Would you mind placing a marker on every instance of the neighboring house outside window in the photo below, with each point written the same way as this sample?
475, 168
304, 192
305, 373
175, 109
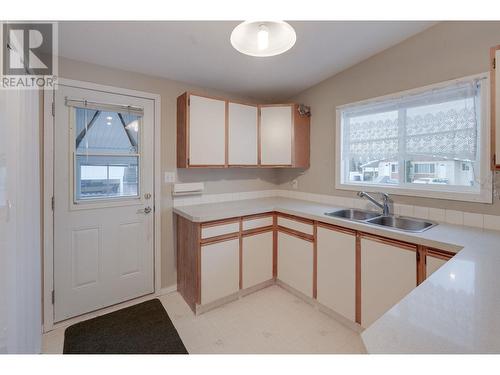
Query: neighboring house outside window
432, 141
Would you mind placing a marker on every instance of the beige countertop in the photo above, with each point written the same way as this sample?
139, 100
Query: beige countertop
454, 311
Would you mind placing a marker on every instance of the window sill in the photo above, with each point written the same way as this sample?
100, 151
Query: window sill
485, 196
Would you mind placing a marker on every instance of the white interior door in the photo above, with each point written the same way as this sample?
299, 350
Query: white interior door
103, 195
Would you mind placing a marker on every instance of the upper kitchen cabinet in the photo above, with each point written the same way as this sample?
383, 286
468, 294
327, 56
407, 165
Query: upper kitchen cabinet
495, 106
214, 133
243, 134
284, 136
201, 131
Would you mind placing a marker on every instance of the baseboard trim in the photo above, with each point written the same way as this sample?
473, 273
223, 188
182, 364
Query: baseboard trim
167, 290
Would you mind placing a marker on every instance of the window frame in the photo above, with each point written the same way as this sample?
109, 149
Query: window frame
458, 193
109, 201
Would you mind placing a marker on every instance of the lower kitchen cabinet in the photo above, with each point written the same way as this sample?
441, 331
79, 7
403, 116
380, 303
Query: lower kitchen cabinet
220, 269
295, 262
336, 270
388, 273
257, 258
435, 259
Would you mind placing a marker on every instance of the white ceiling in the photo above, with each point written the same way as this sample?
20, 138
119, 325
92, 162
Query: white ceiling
200, 53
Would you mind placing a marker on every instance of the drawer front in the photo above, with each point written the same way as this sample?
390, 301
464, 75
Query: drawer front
220, 270
219, 230
296, 225
259, 222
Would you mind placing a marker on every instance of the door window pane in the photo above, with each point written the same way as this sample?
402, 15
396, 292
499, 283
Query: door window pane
106, 177
106, 132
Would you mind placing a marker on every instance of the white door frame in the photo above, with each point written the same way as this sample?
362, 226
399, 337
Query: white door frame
48, 189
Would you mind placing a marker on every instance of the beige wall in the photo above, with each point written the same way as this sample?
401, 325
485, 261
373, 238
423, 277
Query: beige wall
216, 181
445, 51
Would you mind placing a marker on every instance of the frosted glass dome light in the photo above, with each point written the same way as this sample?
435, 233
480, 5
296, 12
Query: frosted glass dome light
263, 38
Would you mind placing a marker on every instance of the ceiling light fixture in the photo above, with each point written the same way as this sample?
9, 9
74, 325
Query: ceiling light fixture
263, 38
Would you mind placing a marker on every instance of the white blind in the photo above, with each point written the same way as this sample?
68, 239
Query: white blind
441, 122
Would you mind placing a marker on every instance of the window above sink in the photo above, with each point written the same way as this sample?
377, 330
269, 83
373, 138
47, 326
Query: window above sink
430, 142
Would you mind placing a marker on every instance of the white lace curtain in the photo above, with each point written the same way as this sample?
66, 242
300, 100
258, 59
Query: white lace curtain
438, 123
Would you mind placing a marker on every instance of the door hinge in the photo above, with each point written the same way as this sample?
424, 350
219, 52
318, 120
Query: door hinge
53, 297
52, 203
494, 62
53, 109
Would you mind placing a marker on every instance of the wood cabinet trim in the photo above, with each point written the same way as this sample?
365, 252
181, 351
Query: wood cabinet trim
292, 232
389, 241
421, 269
441, 254
214, 223
255, 231
295, 218
221, 238
336, 228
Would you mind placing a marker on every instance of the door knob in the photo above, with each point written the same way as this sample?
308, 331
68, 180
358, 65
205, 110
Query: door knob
145, 210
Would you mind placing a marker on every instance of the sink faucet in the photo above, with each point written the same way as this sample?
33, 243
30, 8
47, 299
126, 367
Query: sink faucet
384, 206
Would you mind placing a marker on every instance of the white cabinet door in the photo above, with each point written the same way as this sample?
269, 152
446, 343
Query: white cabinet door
337, 271
295, 263
257, 262
433, 264
220, 270
242, 134
207, 131
276, 135
388, 273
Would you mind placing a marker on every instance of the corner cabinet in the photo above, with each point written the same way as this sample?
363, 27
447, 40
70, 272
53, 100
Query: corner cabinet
495, 106
219, 133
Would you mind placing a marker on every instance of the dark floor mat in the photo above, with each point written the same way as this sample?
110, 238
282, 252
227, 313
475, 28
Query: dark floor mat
140, 329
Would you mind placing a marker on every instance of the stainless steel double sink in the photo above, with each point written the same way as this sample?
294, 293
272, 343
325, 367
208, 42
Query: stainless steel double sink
405, 224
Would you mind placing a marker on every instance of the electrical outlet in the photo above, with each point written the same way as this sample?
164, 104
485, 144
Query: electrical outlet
170, 177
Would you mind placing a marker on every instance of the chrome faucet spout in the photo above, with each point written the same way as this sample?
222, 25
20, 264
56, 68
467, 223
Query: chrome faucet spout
384, 206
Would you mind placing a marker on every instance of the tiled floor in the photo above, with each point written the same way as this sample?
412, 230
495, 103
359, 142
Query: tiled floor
269, 321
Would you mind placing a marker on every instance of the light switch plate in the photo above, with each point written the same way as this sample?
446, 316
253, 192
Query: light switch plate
170, 177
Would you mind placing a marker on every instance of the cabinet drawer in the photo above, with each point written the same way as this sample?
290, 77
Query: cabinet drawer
299, 226
213, 229
257, 222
